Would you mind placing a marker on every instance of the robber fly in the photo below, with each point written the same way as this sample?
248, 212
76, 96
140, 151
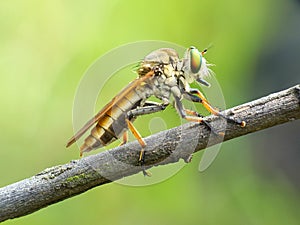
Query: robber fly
161, 74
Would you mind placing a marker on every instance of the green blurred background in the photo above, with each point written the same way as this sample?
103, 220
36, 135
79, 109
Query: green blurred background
45, 48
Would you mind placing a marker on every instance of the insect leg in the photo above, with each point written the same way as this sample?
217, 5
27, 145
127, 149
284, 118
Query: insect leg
151, 103
194, 113
148, 108
125, 138
137, 135
183, 112
199, 97
195, 116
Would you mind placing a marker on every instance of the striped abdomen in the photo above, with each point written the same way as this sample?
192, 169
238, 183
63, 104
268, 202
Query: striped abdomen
111, 125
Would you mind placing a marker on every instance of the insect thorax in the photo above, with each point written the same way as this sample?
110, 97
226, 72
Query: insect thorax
157, 60
165, 79
171, 74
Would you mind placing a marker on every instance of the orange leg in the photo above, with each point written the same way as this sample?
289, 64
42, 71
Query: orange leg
193, 118
182, 112
195, 114
125, 138
205, 103
139, 138
211, 109
135, 133
191, 112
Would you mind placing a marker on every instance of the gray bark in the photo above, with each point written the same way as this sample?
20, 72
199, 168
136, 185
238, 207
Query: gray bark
64, 181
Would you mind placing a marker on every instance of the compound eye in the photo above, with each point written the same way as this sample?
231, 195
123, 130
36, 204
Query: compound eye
195, 60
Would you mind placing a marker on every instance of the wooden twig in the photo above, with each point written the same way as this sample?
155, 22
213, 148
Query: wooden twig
64, 181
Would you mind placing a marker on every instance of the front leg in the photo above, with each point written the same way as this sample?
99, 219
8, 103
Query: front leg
183, 112
194, 116
199, 97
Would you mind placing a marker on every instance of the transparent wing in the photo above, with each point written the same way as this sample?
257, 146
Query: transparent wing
107, 107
